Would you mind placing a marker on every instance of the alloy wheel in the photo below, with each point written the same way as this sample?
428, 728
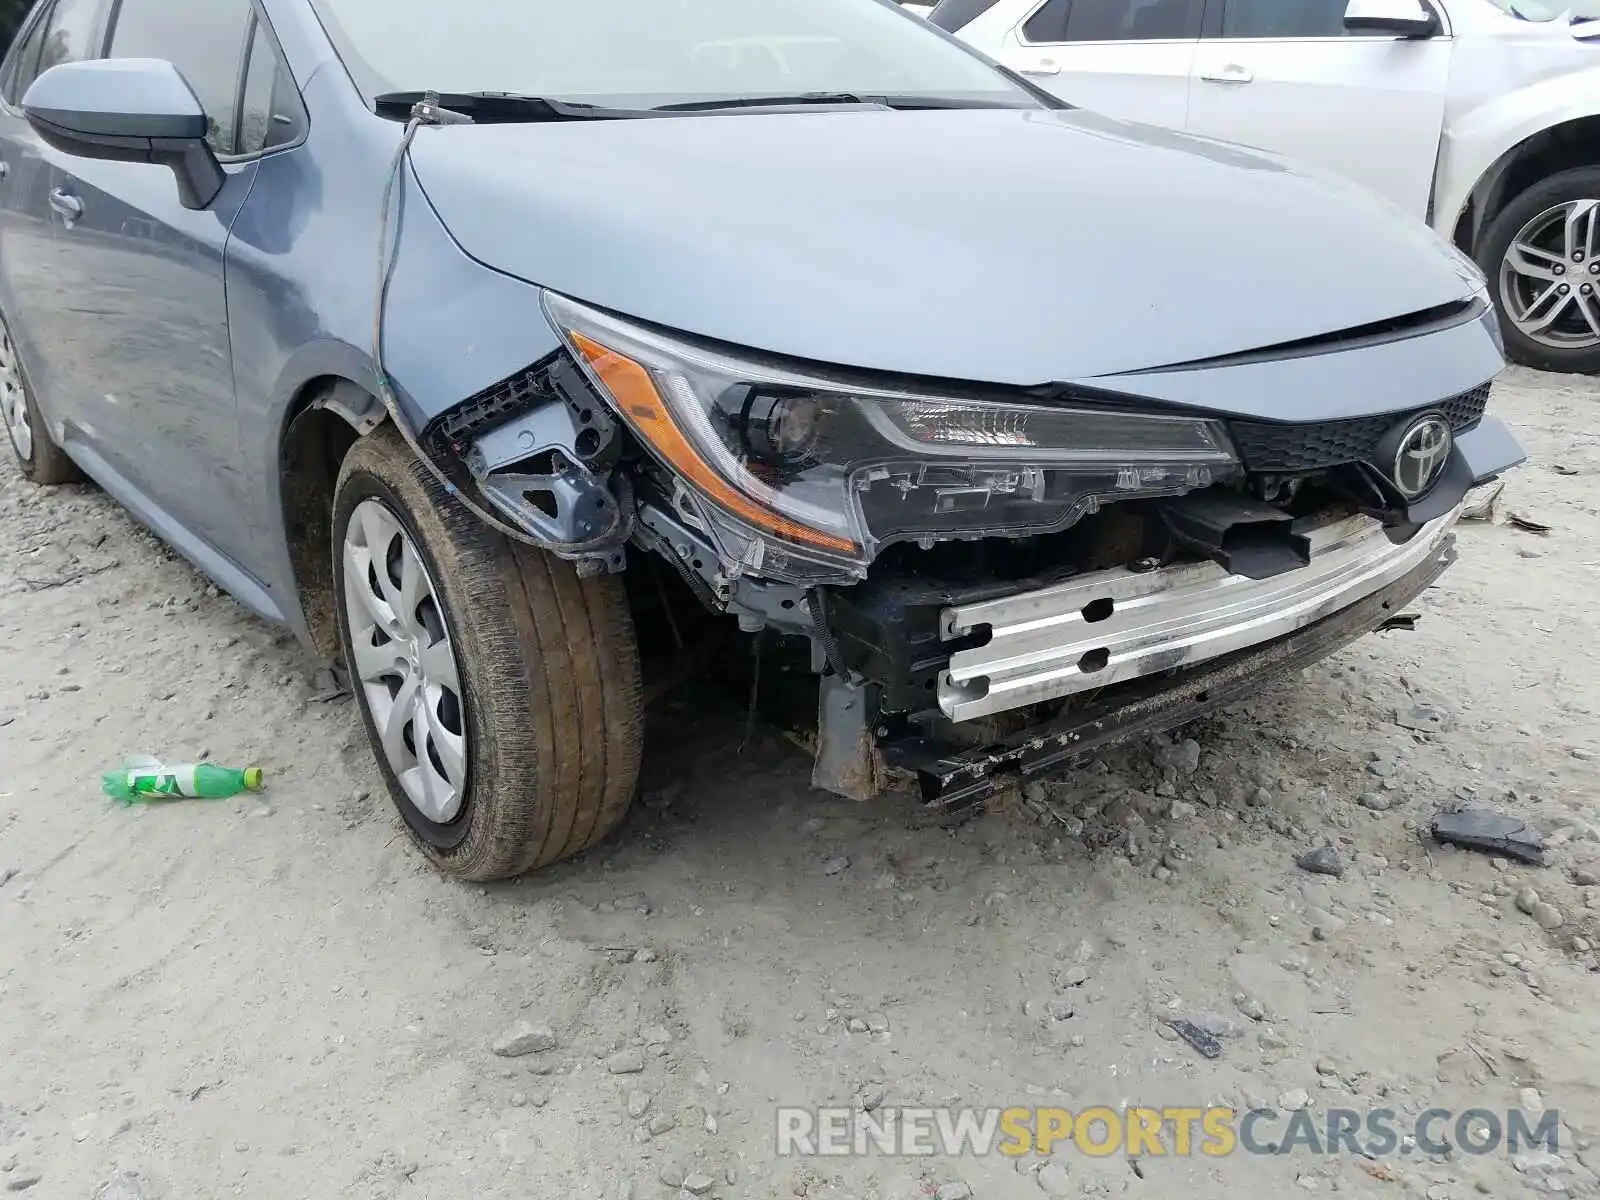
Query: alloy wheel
404, 662
14, 400
1550, 277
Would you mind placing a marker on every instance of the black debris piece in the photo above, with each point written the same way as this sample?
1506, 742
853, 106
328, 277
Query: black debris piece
1405, 621
1491, 832
1202, 1041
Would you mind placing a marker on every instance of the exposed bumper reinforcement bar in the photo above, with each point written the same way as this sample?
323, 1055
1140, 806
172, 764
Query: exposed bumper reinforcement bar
955, 780
1097, 630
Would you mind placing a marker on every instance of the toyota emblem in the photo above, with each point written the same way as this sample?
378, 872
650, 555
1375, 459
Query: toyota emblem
1420, 459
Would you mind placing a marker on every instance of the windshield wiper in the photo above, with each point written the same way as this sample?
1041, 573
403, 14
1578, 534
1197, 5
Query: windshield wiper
804, 99
489, 108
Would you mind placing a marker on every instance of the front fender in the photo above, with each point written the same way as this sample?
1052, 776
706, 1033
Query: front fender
1479, 142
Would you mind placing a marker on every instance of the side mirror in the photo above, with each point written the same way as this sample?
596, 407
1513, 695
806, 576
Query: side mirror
1397, 18
127, 110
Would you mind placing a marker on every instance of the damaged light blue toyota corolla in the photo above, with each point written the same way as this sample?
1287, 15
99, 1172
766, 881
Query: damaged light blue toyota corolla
466, 342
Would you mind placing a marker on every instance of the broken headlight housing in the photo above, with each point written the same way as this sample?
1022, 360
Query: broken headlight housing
804, 475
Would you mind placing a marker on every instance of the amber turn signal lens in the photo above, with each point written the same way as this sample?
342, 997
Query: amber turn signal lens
635, 393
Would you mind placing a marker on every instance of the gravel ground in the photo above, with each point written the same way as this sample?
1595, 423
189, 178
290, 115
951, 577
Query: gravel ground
274, 997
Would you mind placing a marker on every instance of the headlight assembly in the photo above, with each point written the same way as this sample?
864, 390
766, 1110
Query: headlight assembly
822, 472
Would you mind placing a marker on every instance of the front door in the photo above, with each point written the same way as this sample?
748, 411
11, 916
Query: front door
32, 304
1125, 58
149, 358
1283, 75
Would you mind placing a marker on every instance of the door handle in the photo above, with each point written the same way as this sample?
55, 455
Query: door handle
1043, 66
70, 207
1232, 73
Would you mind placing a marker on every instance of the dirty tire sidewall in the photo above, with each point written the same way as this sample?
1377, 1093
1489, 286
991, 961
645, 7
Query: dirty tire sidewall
1578, 184
447, 837
549, 678
49, 464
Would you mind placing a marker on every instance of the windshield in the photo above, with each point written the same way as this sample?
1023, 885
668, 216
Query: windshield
644, 53
1550, 10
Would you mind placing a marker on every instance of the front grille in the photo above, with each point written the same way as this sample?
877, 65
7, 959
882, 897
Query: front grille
1295, 449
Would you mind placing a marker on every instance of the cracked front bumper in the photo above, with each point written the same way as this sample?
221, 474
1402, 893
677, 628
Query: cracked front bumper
1113, 626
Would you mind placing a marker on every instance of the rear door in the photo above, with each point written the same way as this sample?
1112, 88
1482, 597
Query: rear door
1127, 58
150, 365
31, 299
1285, 76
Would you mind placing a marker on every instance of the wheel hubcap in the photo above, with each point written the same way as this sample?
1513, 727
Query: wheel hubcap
404, 661
1543, 280
13, 400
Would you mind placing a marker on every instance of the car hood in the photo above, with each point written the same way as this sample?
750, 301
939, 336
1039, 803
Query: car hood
998, 245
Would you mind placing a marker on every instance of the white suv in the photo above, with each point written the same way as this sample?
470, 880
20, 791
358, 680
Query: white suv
1480, 116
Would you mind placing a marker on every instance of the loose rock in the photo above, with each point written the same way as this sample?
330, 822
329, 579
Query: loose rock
1525, 900
524, 1038
1054, 1179
835, 866
1376, 801
1324, 860
1250, 1006
954, 1190
698, 1183
123, 1187
1548, 916
638, 1104
1424, 718
1294, 1100
1535, 1162
21, 1181
625, 1062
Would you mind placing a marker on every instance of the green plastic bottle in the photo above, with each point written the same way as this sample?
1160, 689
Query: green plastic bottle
142, 782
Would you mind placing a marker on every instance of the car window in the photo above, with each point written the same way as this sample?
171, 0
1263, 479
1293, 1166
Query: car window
270, 111
70, 36
22, 64
1283, 18
631, 53
204, 39
1113, 21
955, 15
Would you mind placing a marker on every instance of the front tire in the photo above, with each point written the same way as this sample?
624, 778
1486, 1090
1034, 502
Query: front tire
41, 459
1544, 240
500, 691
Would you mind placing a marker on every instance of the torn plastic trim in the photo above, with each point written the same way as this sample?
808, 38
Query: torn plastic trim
757, 603
356, 406
542, 450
